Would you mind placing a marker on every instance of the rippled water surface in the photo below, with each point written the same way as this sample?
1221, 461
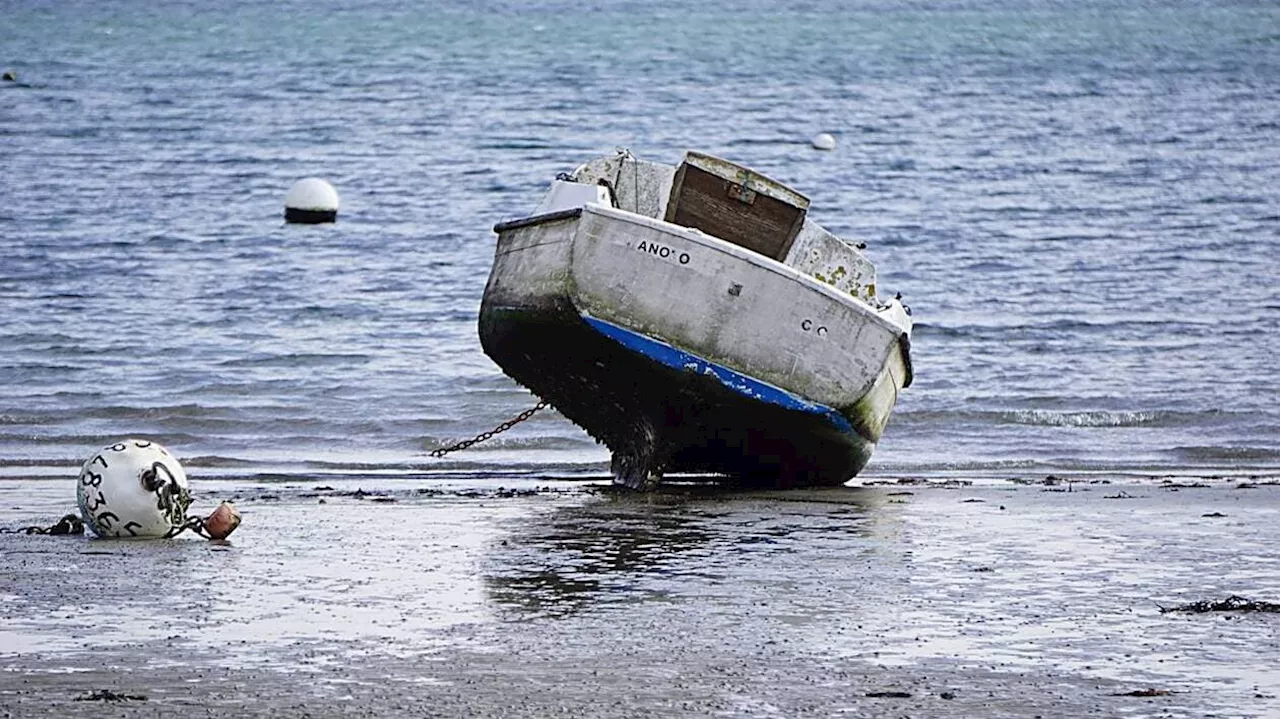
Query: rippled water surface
1081, 204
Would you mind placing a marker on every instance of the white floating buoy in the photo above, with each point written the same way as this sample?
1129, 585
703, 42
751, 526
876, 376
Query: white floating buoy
823, 141
311, 201
133, 488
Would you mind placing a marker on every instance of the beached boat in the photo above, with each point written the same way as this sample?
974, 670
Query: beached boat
694, 320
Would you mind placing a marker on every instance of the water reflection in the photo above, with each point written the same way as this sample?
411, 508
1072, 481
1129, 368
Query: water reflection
623, 548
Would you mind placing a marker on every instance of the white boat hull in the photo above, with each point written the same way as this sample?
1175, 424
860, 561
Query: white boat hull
690, 353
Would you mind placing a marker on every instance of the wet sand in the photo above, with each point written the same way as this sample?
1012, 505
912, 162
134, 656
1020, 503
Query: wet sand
430, 598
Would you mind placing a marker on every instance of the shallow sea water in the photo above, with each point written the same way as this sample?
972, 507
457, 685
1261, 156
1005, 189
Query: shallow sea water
1080, 204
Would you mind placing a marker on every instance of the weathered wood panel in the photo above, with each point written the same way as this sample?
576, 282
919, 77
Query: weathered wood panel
736, 205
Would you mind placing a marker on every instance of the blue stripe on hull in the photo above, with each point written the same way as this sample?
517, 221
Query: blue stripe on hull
665, 354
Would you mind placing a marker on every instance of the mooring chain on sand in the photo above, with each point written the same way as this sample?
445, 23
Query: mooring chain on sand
72, 525
69, 524
194, 523
216, 526
496, 430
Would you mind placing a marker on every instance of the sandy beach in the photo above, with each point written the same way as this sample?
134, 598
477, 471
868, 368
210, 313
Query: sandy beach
368, 597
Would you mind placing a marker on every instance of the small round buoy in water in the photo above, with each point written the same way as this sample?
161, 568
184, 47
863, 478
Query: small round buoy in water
823, 141
133, 488
311, 201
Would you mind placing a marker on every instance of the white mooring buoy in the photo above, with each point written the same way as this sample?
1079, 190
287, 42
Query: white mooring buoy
311, 201
823, 141
133, 488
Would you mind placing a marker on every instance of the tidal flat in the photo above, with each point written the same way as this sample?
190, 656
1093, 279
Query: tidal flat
368, 596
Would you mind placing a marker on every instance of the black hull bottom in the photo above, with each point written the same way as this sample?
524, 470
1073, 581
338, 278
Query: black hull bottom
656, 418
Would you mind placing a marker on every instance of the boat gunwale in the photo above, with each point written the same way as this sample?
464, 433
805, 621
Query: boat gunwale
765, 263
711, 242
540, 219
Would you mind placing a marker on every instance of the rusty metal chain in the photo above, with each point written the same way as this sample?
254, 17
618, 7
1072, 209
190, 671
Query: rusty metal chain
496, 430
69, 524
194, 523
72, 525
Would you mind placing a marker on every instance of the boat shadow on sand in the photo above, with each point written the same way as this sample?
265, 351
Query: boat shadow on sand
621, 549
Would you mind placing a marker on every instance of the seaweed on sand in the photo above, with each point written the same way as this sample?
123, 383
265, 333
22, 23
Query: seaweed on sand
106, 695
1233, 603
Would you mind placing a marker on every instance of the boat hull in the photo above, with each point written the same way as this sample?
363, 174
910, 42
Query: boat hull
658, 419
560, 317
